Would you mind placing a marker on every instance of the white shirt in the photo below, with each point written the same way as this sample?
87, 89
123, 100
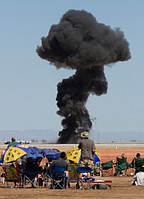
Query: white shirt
139, 178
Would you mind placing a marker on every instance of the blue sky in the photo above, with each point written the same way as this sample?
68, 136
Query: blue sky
28, 84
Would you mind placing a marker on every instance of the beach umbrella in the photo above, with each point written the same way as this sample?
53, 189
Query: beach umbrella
13, 153
2, 156
34, 153
96, 157
74, 154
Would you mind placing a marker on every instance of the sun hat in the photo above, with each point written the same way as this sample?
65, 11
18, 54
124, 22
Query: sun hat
84, 134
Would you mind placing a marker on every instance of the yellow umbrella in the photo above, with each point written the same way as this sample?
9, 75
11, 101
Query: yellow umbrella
98, 154
12, 154
74, 154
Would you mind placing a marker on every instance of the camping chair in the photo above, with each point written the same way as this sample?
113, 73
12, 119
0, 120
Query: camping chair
107, 167
121, 165
137, 164
31, 174
72, 173
56, 178
30, 178
11, 174
94, 183
81, 182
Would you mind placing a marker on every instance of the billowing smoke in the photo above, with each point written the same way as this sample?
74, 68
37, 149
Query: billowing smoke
79, 42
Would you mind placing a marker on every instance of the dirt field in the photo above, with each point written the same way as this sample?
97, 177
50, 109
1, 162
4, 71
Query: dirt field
121, 186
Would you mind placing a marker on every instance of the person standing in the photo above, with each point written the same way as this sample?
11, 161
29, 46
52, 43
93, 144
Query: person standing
88, 149
13, 142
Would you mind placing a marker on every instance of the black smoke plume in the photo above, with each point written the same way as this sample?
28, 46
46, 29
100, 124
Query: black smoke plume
79, 42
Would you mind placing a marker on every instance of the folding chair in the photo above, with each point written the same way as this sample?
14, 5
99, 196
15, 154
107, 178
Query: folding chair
57, 178
72, 173
137, 164
92, 182
121, 165
107, 167
11, 174
84, 182
31, 174
30, 179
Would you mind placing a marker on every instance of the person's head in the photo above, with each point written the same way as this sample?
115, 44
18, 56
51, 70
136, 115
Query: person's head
13, 139
123, 155
85, 135
63, 155
38, 160
138, 155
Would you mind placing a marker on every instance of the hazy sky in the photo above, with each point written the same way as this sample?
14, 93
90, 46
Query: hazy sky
28, 84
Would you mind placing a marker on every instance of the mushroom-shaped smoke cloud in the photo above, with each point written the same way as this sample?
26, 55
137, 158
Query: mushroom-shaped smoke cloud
79, 42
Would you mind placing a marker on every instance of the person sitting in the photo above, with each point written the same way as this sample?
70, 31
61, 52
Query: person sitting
139, 177
31, 170
121, 164
137, 162
60, 163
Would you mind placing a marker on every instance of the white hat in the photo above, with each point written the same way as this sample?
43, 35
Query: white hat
84, 134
